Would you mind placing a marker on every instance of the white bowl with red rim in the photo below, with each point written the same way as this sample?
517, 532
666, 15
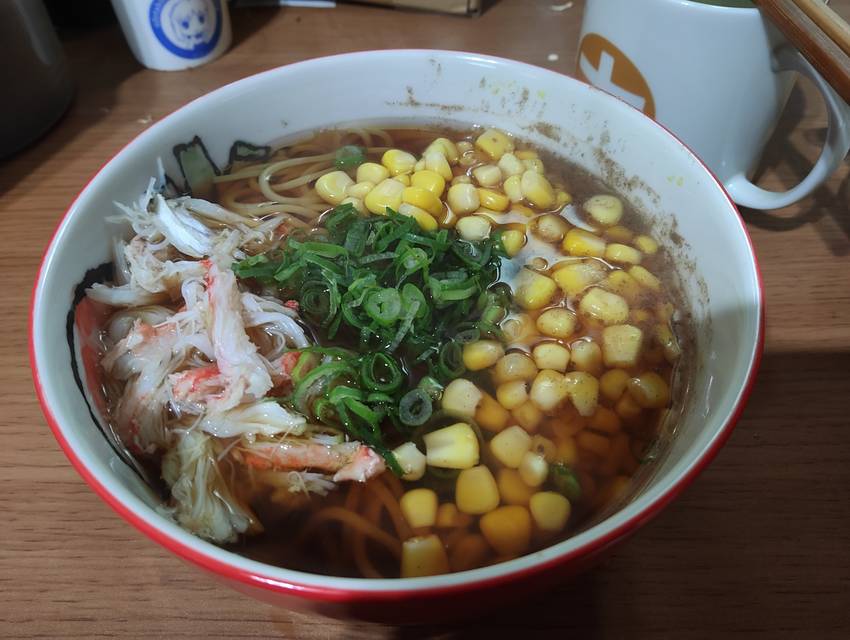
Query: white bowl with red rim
692, 216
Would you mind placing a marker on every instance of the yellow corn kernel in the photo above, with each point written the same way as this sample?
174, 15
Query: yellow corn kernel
482, 354
403, 178
618, 456
513, 188
548, 390
528, 416
513, 241
604, 306
470, 552
511, 487
621, 283
508, 530
638, 316
669, 345
419, 507
551, 355
593, 442
512, 394
606, 210
579, 242
493, 200
359, 189
398, 162
550, 511
445, 146
494, 143
650, 390
476, 491
619, 233
557, 323
621, 345
519, 328
605, 420
510, 165
627, 408
423, 556
490, 415
533, 469
464, 146
544, 448
586, 356
436, 162
535, 165
522, 210
664, 311
357, 203
463, 199
424, 199
526, 154
462, 179
537, 190
510, 445
514, 366
420, 165
332, 186
533, 290
562, 198
372, 172
473, 227
645, 278
452, 447
487, 175
469, 159
575, 277
583, 391
386, 193
566, 452
646, 244
428, 180
461, 398
448, 516
426, 221
623, 253
613, 383
411, 460
550, 227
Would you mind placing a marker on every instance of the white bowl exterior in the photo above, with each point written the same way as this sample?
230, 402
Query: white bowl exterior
590, 128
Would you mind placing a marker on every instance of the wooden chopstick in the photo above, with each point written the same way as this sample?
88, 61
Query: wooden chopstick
830, 22
815, 45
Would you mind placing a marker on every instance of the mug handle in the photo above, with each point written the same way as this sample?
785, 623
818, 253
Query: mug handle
835, 148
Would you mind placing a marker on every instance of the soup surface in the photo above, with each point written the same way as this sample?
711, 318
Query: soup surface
387, 353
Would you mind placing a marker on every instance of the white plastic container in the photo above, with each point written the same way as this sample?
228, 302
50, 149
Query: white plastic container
169, 35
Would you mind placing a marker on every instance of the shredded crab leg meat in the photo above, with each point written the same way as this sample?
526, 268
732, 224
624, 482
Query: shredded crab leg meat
195, 384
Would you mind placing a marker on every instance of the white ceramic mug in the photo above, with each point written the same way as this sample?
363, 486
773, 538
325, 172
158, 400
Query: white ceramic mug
717, 74
169, 35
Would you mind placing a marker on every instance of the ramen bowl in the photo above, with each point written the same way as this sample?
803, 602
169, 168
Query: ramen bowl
689, 212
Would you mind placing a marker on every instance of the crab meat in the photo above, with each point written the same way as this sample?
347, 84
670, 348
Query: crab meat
348, 460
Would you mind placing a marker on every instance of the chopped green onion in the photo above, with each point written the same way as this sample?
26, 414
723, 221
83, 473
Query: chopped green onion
415, 408
383, 306
349, 157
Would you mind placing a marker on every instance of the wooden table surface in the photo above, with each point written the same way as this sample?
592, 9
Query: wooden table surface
759, 545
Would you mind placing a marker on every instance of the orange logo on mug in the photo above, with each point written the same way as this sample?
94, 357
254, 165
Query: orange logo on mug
603, 65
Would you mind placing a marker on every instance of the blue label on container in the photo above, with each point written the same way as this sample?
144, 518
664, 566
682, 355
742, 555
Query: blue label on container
187, 28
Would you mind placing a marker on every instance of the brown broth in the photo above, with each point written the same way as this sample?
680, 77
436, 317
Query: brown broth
604, 451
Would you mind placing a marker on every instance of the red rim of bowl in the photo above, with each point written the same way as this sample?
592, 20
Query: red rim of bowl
336, 594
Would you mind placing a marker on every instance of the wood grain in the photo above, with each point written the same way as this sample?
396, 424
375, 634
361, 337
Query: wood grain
759, 546
825, 55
